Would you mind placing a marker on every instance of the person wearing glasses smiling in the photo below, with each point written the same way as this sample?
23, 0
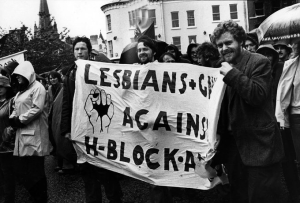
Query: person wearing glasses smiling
192, 53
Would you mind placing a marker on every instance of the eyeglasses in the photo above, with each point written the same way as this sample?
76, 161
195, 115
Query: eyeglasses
52, 78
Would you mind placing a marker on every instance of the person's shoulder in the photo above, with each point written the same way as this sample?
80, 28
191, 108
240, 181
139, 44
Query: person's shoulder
258, 58
183, 60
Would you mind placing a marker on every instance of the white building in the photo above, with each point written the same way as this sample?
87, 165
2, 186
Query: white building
178, 22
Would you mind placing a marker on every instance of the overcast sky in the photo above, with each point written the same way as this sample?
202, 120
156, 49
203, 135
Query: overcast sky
82, 17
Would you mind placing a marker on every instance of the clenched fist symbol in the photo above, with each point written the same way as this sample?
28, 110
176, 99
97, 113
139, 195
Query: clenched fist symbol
101, 108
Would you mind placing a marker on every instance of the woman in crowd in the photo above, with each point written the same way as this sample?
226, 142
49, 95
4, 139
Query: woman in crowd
7, 138
167, 58
32, 140
62, 146
191, 53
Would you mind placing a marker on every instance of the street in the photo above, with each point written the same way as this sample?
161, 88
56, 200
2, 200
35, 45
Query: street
70, 189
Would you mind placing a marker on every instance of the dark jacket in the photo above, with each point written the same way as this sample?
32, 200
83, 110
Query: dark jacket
67, 104
248, 105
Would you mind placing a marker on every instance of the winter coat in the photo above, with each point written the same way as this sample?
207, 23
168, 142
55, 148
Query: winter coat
33, 139
248, 105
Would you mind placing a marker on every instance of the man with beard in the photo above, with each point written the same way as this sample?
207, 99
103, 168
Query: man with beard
283, 50
146, 49
250, 137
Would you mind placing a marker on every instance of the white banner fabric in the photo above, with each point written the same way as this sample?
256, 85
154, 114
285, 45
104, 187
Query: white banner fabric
19, 57
155, 122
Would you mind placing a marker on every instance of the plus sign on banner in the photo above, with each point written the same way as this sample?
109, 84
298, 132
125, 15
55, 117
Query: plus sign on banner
154, 122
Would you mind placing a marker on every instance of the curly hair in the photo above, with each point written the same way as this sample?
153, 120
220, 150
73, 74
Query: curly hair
208, 50
85, 40
233, 28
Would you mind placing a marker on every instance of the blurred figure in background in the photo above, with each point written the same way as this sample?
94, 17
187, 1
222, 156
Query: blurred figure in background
191, 53
167, 58
208, 55
283, 50
251, 42
178, 56
288, 164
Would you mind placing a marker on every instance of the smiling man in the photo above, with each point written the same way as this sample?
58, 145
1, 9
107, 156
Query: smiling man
146, 50
247, 124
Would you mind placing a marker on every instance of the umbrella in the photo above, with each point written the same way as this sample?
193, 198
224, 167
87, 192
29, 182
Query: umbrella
129, 53
283, 25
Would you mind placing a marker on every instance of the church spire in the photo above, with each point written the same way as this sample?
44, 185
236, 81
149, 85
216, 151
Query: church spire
44, 15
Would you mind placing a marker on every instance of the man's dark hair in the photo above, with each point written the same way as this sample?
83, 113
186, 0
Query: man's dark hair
148, 42
208, 50
85, 40
233, 28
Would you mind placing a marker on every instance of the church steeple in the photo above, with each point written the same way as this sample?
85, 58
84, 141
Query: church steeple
45, 27
44, 15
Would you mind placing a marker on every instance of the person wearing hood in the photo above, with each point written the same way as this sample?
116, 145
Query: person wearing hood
175, 51
251, 42
268, 51
191, 53
32, 143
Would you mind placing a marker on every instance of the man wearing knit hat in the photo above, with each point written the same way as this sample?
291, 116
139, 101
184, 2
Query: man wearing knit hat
283, 50
251, 42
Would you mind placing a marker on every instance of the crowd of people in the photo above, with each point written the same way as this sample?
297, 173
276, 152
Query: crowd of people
259, 124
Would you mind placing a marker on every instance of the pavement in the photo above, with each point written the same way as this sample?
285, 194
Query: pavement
69, 188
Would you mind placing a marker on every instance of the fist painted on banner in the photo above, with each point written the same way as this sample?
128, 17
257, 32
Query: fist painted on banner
99, 109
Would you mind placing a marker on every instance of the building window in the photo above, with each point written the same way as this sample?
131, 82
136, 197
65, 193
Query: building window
175, 19
233, 11
177, 43
108, 19
133, 17
152, 16
192, 39
259, 9
131, 24
190, 18
110, 47
216, 12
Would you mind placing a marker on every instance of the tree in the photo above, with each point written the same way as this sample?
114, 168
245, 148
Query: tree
46, 53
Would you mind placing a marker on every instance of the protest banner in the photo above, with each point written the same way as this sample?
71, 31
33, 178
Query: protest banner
19, 57
155, 122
